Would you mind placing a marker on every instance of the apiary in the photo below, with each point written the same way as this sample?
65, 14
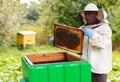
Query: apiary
58, 66
25, 38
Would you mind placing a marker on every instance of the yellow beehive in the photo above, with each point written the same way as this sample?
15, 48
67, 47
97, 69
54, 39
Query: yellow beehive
26, 38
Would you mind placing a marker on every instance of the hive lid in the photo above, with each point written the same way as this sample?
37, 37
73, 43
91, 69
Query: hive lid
26, 32
68, 38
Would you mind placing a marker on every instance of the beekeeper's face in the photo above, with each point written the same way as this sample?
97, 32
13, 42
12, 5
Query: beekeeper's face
90, 17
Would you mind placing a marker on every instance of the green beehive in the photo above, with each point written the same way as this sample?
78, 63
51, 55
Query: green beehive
55, 67
59, 66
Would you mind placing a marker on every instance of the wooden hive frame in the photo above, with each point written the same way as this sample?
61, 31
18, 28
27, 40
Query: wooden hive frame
70, 38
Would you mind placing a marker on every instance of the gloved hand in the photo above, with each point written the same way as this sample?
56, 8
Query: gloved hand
88, 32
51, 39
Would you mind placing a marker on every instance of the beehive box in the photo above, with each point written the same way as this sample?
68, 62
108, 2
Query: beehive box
25, 38
59, 66
55, 67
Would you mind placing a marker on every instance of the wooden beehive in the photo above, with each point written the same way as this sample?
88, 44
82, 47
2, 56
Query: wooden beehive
51, 58
25, 38
68, 38
55, 67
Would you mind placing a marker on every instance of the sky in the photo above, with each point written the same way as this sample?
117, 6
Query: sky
28, 1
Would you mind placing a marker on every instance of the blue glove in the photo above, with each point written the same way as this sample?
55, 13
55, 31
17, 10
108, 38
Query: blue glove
52, 39
88, 32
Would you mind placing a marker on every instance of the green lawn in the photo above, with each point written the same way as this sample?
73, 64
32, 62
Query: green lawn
10, 62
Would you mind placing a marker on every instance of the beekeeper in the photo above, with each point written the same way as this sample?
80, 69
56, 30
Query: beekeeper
97, 45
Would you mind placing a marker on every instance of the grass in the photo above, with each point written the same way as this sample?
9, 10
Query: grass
10, 62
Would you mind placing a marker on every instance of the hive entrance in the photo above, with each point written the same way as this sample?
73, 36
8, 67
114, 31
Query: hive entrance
51, 58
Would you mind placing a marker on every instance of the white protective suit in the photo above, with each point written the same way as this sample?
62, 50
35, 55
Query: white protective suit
97, 50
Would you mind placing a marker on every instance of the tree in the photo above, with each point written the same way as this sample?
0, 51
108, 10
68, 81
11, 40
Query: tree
11, 16
32, 15
33, 12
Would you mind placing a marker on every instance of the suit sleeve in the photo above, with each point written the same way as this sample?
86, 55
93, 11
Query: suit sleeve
101, 37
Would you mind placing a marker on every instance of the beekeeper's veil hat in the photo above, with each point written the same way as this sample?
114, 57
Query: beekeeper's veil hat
92, 7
